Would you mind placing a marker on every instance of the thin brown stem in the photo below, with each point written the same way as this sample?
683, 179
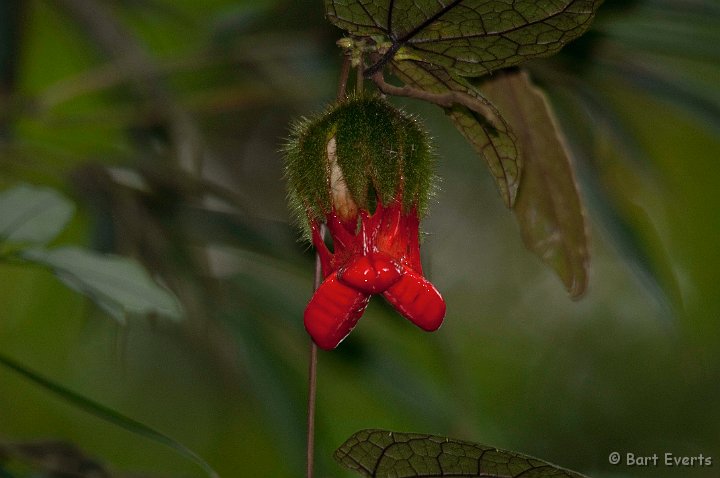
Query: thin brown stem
312, 376
360, 78
344, 74
445, 100
312, 394
312, 366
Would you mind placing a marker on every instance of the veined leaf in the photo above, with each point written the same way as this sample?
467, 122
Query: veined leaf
382, 453
479, 121
468, 37
33, 214
117, 284
548, 207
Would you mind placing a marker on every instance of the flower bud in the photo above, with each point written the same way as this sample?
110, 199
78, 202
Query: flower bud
359, 151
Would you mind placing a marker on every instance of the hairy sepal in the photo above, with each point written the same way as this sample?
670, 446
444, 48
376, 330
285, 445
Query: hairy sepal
382, 154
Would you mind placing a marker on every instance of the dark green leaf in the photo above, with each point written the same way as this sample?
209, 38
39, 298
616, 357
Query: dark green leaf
117, 284
469, 37
105, 413
479, 121
548, 207
382, 453
33, 214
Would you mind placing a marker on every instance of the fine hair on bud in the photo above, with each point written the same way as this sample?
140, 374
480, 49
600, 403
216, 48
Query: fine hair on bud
354, 154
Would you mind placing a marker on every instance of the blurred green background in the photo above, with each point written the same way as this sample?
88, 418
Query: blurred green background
163, 119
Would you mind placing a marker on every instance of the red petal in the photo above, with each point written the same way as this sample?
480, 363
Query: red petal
417, 300
333, 312
322, 250
371, 274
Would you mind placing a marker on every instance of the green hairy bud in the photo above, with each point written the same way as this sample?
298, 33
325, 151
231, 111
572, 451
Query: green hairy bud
354, 154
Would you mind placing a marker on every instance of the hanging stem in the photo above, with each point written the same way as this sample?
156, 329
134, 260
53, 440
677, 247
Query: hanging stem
344, 74
445, 100
360, 79
312, 366
312, 381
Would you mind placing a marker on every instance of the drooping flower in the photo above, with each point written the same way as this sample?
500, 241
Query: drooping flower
364, 170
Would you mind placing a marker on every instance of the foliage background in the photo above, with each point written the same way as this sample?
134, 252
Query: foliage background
632, 367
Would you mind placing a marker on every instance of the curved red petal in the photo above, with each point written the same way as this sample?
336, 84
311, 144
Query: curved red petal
323, 252
416, 299
411, 223
333, 312
371, 274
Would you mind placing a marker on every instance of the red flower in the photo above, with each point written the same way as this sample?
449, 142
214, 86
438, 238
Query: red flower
365, 170
381, 255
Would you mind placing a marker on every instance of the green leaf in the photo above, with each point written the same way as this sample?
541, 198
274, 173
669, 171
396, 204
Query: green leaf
105, 413
469, 37
33, 214
382, 453
548, 207
117, 284
479, 121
